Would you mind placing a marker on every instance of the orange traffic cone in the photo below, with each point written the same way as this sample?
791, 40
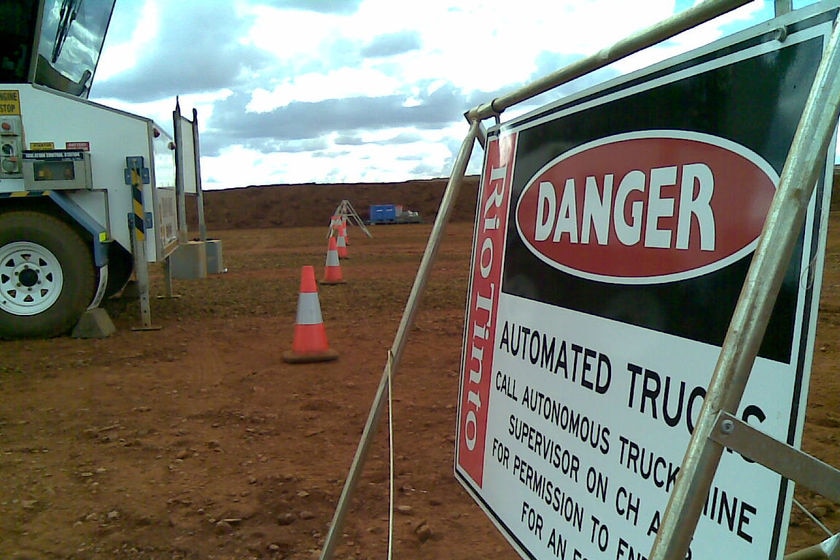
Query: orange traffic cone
341, 245
332, 268
343, 230
310, 343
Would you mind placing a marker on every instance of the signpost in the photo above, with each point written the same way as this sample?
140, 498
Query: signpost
613, 234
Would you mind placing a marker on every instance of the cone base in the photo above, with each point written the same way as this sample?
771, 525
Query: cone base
310, 357
332, 282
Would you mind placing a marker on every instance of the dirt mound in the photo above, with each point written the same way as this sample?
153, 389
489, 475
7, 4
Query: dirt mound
307, 205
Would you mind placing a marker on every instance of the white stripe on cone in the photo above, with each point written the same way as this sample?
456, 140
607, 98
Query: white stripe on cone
332, 258
309, 309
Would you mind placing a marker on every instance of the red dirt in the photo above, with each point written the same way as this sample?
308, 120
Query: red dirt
196, 441
305, 205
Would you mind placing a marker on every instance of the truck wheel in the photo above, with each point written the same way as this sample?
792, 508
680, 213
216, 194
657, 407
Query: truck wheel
47, 277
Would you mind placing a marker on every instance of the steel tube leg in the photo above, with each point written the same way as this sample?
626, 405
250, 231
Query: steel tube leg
394, 355
749, 321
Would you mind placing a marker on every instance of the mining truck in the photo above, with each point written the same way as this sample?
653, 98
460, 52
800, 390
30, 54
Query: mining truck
89, 195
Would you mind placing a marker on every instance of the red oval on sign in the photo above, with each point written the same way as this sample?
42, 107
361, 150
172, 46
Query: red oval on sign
647, 207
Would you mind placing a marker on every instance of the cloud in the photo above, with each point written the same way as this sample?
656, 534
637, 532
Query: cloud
405, 137
386, 137
392, 44
314, 87
358, 90
299, 120
179, 60
342, 7
349, 140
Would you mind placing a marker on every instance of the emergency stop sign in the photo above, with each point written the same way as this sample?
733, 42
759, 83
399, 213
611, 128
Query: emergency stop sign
614, 231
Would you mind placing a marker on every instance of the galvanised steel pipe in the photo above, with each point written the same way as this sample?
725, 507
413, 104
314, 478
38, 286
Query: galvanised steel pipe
634, 43
755, 304
450, 195
829, 549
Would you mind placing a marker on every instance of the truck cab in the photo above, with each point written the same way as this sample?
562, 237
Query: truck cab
72, 222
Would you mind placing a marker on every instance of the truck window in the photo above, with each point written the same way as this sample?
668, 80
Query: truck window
71, 39
17, 31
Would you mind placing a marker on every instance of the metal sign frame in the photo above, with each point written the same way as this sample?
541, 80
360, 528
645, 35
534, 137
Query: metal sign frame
187, 170
632, 320
787, 213
740, 348
344, 210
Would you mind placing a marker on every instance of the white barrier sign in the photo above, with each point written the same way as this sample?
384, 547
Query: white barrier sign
613, 234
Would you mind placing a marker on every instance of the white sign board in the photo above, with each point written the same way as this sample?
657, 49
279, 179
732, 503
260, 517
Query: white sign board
187, 154
613, 234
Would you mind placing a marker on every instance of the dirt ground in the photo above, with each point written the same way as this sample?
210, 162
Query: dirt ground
196, 441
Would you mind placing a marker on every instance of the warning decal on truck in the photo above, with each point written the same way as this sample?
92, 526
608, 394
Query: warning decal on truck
9, 102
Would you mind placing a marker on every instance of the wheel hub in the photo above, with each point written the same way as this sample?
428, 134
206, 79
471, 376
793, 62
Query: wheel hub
30, 278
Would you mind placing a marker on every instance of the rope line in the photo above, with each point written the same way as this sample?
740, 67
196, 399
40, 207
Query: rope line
391, 461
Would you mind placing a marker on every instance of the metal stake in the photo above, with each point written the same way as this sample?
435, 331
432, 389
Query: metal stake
199, 190
179, 174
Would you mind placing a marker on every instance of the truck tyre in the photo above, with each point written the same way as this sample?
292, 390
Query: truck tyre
47, 276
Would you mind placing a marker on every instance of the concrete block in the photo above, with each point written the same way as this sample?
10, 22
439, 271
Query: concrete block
94, 323
189, 261
215, 264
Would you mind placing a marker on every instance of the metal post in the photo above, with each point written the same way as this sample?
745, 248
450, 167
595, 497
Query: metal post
783, 7
167, 277
202, 225
137, 229
749, 321
395, 353
638, 41
141, 274
180, 201
829, 549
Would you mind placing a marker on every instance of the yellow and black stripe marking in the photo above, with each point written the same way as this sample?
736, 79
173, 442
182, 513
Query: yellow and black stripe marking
137, 205
24, 194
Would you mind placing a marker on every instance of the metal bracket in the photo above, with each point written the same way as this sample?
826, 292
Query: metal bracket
828, 549
136, 163
145, 177
788, 461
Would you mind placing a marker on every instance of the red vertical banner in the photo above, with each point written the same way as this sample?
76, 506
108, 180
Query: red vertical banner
480, 325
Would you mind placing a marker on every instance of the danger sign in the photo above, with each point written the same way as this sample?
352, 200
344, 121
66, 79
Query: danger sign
656, 193
613, 234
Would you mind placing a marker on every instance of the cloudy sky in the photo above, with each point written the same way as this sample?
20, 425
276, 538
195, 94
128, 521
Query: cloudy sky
324, 91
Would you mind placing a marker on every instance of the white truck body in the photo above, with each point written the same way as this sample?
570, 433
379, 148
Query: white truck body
112, 136
75, 221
